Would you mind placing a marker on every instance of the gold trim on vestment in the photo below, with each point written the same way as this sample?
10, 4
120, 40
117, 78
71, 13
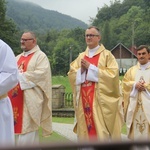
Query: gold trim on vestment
3, 96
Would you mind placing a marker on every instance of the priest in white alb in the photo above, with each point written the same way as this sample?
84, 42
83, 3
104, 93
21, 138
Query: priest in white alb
8, 79
136, 96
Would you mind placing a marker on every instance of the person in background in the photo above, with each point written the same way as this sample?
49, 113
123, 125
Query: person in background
136, 96
8, 79
94, 78
31, 98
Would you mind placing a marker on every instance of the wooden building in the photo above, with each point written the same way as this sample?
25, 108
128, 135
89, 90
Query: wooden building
124, 56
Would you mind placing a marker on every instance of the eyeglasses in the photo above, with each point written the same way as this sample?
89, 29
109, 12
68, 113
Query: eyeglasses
24, 40
141, 53
91, 35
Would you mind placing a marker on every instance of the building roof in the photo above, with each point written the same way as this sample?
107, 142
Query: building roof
124, 48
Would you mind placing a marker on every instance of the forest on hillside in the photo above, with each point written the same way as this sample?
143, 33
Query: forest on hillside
126, 22
31, 16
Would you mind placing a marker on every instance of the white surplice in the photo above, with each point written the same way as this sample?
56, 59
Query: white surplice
8, 79
138, 109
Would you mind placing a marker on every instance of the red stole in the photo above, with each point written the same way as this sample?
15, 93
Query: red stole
16, 96
87, 91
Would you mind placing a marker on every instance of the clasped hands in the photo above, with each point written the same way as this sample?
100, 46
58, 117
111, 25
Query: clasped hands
140, 86
84, 65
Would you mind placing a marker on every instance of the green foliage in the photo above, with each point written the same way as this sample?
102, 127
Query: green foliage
126, 23
62, 47
106, 39
61, 55
78, 35
2, 10
69, 44
121, 17
8, 31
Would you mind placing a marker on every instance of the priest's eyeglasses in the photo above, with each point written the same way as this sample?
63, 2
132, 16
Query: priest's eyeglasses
91, 35
24, 40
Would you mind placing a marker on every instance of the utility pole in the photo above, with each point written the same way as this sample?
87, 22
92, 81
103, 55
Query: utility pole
133, 25
70, 48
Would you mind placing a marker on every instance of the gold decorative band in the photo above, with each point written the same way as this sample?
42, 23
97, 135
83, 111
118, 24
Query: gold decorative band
3, 96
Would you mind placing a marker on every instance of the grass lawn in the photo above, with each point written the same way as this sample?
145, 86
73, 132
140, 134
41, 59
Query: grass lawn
63, 120
53, 138
63, 81
124, 129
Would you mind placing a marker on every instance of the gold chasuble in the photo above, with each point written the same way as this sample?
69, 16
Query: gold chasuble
16, 96
87, 91
96, 104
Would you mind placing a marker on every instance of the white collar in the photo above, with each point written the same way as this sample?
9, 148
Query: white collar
25, 54
143, 67
93, 50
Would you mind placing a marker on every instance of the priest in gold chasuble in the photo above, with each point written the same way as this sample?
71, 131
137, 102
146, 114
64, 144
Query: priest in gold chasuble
94, 79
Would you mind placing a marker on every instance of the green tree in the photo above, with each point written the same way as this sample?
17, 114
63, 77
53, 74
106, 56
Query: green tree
78, 34
62, 53
8, 32
106, 35
127, 21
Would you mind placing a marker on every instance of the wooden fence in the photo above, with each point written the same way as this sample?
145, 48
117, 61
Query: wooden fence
67, 109
68, 100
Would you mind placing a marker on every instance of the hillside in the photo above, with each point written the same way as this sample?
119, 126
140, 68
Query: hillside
33, 17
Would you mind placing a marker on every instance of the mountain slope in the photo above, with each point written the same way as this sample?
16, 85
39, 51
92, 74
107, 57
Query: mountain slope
33, 17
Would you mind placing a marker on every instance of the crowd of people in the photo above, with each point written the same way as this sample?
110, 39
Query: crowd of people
102, 102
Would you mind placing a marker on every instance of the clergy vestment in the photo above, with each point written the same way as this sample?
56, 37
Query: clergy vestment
8, 79
136, 104
104, 109
34, 110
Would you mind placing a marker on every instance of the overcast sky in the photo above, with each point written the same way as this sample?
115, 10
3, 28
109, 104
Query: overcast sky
80, 9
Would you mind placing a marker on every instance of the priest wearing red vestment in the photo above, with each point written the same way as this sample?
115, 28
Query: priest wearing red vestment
94, 79
31, 98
